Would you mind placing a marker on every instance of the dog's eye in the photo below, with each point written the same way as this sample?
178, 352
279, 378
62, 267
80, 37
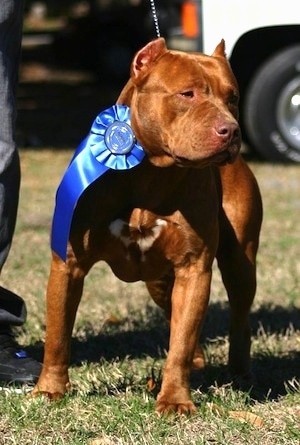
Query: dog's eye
188, 93
233, 99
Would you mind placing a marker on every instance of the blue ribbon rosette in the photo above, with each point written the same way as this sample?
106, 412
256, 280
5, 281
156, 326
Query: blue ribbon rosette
111, 144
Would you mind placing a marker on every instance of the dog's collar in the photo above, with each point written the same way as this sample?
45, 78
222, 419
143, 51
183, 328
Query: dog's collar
111, 144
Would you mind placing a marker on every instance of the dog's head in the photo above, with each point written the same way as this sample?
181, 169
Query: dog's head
184, 106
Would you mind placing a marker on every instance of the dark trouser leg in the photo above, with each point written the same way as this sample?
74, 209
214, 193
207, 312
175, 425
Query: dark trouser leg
12, 307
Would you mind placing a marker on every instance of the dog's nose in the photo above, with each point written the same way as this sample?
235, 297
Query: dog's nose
227, 130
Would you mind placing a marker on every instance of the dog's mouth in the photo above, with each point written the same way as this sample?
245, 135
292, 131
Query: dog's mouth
226, 156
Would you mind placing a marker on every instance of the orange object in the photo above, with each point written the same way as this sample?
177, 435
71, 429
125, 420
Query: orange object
189, 17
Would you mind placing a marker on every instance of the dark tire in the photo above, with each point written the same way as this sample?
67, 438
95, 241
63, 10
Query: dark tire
271, 114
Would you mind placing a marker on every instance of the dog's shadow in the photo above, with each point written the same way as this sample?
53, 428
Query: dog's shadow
272, 369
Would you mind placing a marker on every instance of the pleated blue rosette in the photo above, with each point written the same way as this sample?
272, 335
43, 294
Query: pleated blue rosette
111, 144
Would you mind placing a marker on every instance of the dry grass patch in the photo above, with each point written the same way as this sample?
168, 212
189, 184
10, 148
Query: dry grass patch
120, 338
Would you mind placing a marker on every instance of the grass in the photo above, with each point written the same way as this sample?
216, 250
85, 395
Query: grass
120, 338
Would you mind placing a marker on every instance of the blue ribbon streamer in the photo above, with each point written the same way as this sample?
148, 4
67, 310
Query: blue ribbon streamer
110, 144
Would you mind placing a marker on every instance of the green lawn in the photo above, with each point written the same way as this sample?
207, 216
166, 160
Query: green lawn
120, 338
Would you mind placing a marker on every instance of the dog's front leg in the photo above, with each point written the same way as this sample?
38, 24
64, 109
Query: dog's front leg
63, 296
190, 298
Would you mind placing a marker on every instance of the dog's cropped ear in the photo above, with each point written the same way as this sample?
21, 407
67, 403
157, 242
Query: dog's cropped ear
146, 57
220, 50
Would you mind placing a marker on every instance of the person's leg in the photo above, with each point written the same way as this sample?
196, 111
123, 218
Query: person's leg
15, 366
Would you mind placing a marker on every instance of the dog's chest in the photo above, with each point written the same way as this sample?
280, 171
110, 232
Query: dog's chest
142, 238
139, 247
143, 232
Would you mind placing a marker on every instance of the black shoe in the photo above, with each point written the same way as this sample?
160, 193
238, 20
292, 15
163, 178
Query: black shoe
15, 365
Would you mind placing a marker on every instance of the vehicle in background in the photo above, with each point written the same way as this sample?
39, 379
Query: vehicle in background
263, 45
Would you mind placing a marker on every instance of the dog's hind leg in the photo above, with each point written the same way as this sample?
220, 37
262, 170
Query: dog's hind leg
239, 277
240, 224
161, 292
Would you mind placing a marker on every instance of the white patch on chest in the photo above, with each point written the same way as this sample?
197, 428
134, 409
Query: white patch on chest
119, 229
116, 227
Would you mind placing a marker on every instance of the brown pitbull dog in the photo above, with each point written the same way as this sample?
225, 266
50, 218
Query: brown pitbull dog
191, 200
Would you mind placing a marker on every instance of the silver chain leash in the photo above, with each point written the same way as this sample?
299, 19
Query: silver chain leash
155, 18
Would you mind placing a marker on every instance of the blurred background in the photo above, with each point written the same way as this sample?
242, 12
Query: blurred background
76, 56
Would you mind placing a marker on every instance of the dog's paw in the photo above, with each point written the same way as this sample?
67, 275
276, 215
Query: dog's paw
50, 392
243, 382
167, 408
52, 396
199, 358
